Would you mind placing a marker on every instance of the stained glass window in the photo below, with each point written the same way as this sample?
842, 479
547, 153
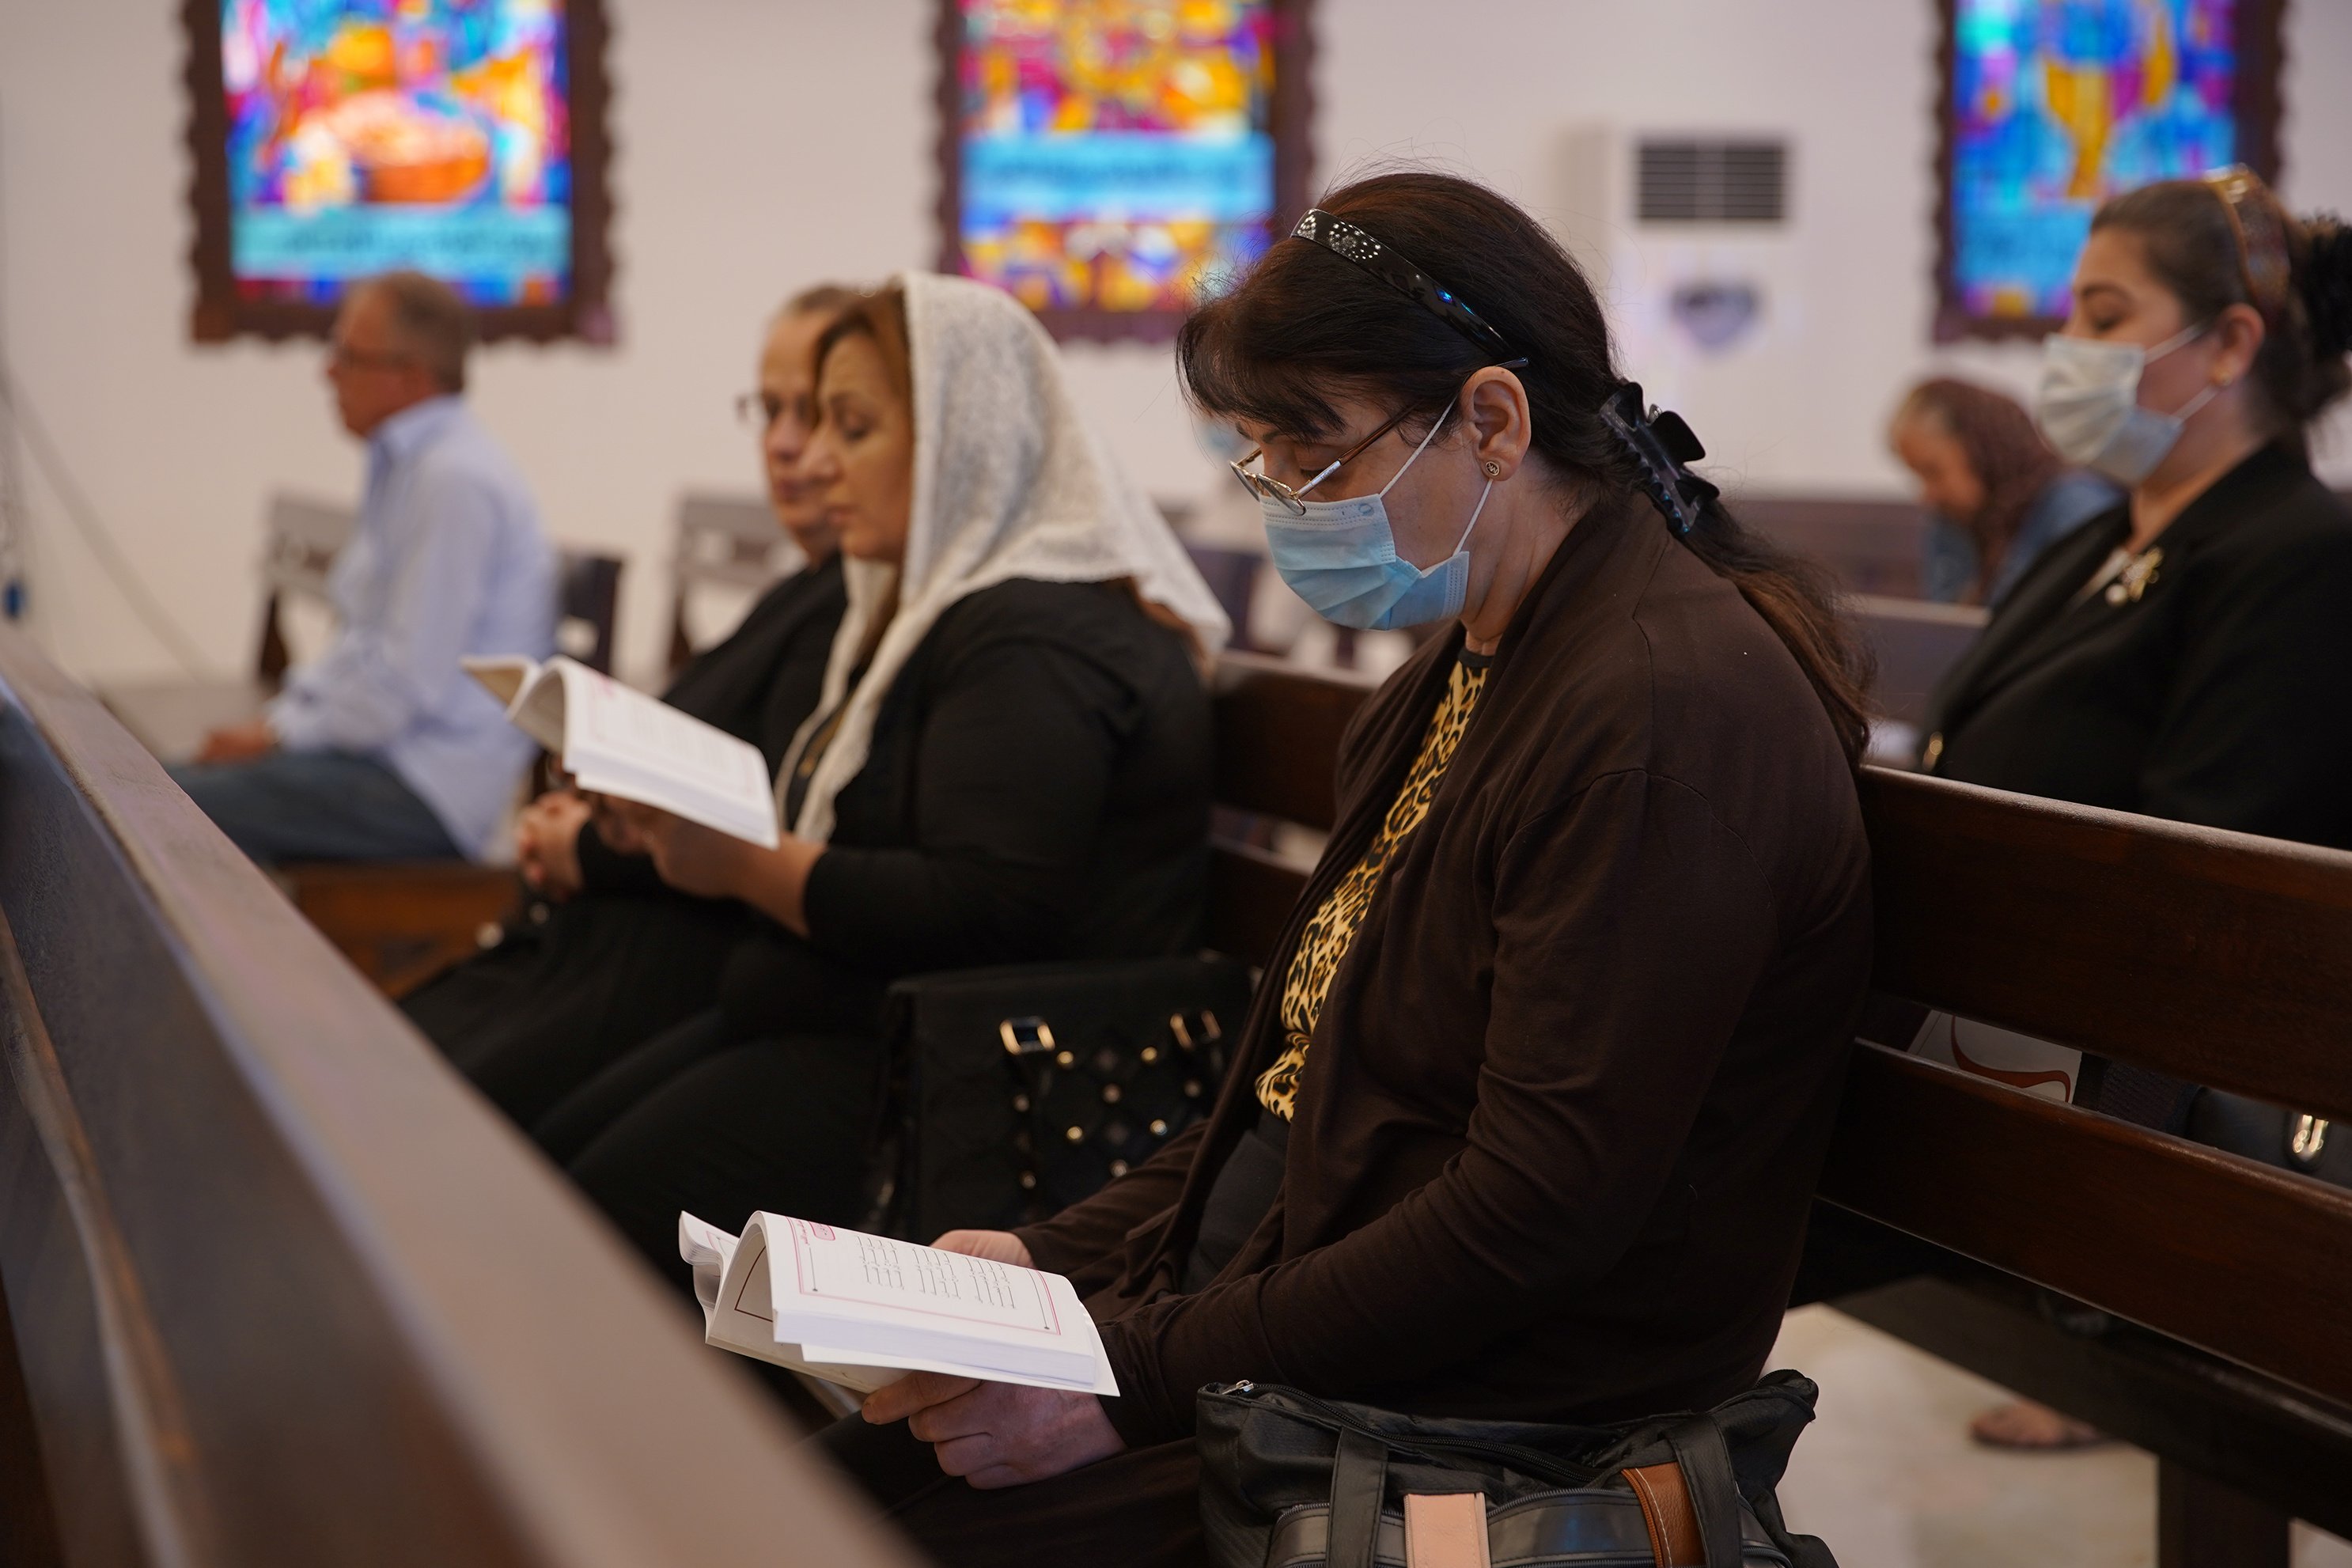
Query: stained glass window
344, 138
1109, 159
2054, 105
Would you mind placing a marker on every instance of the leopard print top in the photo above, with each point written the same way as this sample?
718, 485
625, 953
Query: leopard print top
1325, 940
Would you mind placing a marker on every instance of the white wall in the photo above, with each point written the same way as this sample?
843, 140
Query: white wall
764, 144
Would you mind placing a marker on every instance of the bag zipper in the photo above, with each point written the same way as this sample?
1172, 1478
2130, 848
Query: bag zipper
1545, 1467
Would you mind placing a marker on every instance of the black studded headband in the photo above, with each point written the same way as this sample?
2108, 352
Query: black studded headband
1341, 238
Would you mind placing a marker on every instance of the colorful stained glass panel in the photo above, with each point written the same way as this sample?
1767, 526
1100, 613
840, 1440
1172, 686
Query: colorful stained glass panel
365, 136
2058, 104
1113, 155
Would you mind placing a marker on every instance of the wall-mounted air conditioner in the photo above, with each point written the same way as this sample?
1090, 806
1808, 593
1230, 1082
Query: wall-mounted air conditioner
1689, 238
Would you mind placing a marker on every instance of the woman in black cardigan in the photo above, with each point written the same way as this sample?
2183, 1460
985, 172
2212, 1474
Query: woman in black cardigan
2184, 656
1010, 763
605, 954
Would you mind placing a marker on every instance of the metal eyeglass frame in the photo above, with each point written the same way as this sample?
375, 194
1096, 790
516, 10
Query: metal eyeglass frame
1274, 489
1270, 488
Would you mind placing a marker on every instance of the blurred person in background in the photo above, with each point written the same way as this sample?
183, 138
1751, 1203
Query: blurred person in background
605, 953
1996, 495
384, 749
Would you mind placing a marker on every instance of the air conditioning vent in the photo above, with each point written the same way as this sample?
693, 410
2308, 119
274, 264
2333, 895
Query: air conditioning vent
1686, 180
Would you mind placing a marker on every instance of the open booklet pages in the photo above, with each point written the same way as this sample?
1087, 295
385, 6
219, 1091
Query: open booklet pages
862, 1310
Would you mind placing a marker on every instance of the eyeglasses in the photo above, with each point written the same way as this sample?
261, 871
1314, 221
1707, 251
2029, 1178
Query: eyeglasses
350, 358
759, 411
1274, 489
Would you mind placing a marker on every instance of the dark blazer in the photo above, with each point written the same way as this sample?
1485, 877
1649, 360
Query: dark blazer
1037, 789
2221, 694
1563, 1110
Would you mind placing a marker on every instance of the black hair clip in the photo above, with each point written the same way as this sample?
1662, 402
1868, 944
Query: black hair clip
1666, 447
1340, 237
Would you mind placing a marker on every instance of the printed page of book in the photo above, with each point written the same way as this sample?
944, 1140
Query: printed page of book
730, 1280
622, 743
875, 1301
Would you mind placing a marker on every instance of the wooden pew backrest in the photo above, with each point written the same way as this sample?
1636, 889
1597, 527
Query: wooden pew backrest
1871, 546
280, 1288
723, 541
1914, 643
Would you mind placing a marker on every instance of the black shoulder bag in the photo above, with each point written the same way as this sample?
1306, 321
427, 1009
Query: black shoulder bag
1018, 1090
1289, 1480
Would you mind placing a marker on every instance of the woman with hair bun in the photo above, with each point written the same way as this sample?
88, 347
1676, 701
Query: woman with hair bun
2184, 656
1526, 1116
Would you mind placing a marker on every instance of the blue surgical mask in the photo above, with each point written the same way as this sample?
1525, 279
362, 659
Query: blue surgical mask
1340, 557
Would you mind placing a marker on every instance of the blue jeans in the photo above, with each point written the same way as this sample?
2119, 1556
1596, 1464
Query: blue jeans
316, 805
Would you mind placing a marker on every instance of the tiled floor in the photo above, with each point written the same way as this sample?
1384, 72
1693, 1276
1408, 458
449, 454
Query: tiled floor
1888, 1478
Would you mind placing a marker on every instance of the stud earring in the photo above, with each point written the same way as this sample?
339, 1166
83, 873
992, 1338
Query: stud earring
1493, 469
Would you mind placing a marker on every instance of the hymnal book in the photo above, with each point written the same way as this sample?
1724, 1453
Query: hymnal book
863, 1311
613, 741
2001, 1056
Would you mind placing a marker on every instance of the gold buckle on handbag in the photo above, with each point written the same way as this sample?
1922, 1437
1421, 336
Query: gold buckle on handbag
1025, 1036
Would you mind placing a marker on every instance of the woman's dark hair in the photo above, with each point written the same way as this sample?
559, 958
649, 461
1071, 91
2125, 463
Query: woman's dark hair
1307, 324
2004, 451
2191, 245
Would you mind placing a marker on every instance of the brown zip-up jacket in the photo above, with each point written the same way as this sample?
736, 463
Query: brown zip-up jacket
1563, 1110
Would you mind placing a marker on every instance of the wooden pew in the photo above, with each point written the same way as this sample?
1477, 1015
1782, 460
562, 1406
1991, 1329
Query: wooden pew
722, 542
1871, 546
2213, 956
278, 1289
1913, 642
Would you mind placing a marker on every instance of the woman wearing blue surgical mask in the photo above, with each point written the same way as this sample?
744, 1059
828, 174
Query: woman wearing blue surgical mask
2183, 656
1559, 1025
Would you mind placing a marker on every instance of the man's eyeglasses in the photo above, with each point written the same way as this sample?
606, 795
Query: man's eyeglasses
1274, 489
350, 358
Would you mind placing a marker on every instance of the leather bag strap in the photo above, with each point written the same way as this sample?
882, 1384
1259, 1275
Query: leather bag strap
1674, 1538
1706, 1461
1360, 1474
1445, 1529
1691, 1503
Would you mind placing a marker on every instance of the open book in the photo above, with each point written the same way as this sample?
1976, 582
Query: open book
863, 1311
620, 743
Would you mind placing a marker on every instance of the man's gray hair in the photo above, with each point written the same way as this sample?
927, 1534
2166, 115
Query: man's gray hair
432, 322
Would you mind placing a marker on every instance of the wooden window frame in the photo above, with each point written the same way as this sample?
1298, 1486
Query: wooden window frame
2261, 56
1291, 124
219, 314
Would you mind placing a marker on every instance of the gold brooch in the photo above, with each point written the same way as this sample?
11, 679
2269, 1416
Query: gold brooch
2127, 588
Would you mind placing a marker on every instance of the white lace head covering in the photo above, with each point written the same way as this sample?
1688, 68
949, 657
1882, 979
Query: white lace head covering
1009, 483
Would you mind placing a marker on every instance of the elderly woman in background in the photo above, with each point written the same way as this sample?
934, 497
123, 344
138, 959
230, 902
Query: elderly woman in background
1009, 763
1997, 496
606, 954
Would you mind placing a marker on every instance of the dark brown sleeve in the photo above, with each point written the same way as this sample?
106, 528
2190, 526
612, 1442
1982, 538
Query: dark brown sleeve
1084, 1240
1630, 926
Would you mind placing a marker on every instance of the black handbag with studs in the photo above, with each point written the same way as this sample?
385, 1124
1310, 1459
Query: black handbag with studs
1016, 1091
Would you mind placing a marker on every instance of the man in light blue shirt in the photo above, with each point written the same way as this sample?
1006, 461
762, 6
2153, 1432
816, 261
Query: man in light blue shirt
384, 749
